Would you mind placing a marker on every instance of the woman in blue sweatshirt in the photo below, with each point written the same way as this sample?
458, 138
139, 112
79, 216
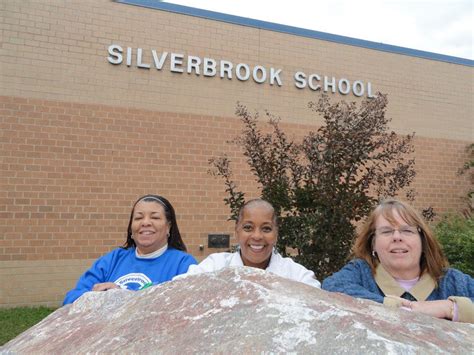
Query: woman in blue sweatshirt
154, 252
399, 262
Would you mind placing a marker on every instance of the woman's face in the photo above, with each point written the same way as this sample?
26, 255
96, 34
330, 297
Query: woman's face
256, 234
399, 252
150, 227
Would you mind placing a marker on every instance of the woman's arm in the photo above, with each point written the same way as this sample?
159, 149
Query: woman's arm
185, 263
457, 309
309, 278
439, 309
354, 279
213, 262
95, 275
290, 269
454, 301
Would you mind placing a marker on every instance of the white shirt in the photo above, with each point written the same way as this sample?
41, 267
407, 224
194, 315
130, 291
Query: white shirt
284, 267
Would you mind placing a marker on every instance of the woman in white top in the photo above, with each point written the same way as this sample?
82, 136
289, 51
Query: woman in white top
257, 232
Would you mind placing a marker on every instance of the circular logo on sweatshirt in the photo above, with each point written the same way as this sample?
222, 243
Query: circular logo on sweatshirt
133, 281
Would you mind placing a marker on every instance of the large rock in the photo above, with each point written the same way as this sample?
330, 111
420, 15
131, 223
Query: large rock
240, 311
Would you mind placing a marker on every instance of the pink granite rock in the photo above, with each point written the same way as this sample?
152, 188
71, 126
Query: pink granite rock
237, 311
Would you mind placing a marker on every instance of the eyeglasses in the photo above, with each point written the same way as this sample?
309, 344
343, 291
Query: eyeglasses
406, 231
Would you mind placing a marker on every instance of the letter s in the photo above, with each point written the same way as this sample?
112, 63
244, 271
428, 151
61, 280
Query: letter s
300, 80
115, 54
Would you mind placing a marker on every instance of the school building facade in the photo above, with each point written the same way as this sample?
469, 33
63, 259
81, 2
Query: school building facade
103, 101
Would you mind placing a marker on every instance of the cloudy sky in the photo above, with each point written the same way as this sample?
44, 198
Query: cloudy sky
439, 26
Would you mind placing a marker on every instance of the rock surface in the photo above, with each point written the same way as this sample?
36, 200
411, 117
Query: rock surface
237, 311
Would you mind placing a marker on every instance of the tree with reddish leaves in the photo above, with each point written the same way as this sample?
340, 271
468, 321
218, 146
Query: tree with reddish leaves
320, 187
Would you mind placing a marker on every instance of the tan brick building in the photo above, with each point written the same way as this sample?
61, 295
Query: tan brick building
102, 101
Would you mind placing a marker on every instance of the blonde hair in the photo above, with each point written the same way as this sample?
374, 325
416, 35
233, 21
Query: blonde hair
432, 258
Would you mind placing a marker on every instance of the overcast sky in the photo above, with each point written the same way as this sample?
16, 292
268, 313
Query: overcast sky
439, 26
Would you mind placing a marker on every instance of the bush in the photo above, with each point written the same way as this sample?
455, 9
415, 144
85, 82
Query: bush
320, 187
468, 167
456, 235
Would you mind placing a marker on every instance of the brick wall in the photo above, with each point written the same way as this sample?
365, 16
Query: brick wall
81, 139
70, 173
58, 50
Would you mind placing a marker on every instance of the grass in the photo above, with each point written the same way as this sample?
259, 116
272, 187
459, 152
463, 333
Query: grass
14, 321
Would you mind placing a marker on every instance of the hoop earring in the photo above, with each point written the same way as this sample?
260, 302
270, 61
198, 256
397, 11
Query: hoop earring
374, 254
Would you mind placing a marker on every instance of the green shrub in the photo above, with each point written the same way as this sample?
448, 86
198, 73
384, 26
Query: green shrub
456, 235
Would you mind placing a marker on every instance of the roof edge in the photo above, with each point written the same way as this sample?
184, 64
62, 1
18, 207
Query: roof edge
270, 26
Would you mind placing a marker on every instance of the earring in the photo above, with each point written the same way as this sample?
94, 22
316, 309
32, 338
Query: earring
374, 254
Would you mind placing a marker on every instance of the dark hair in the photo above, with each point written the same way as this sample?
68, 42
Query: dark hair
257, 202
432, 258
174, 241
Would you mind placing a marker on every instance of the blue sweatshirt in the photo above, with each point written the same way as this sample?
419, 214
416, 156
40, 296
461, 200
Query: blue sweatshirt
122, 267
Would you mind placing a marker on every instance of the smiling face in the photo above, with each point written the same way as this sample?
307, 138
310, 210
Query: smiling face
150, 227
399, 253
257, 234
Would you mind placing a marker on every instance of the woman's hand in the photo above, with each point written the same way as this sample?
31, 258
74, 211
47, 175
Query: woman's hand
104, 286
438, 309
